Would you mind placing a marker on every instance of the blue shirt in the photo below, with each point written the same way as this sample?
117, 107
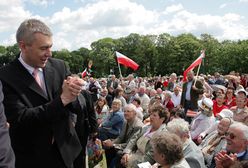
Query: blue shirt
114, 122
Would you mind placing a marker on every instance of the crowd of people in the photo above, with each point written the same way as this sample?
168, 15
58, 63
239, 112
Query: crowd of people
154, 121
200, 111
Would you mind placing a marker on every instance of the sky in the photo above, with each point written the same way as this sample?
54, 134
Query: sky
78, 23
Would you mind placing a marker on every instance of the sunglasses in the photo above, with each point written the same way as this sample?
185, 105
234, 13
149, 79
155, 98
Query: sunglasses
230, 135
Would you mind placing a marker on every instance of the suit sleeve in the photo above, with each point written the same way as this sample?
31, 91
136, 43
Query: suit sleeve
91, 113
7, 158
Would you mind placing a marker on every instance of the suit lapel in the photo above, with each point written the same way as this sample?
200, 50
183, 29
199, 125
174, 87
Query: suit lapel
131, 127
22, 75
49, 79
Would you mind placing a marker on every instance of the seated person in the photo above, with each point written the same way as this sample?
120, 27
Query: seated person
112, 125
203, 120
168, 151
236, 146
219, 104
215, 141
191, 152
167, 103
139, 149
101, 109
139, 111
225, 113
131, 125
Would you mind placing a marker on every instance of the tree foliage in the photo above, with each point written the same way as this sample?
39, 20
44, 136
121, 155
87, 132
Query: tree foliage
156, 54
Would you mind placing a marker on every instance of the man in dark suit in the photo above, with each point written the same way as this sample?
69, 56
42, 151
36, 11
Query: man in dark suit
190, 94
7, 157
112, 82
39, 100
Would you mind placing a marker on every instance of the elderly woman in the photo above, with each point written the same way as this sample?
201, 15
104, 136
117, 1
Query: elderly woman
168, 151
167, 101
203, 120
112, 125
225, 113
139, 149
215, 141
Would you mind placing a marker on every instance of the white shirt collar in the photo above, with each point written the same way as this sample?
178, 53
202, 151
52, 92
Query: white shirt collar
28, 67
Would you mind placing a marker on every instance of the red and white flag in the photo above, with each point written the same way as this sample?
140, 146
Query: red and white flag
194, 64
124, 60
84, 73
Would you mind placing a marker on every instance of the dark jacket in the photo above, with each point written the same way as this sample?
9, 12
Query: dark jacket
41, 131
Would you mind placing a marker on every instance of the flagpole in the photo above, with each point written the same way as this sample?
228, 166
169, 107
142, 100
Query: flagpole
197, 73
119, 67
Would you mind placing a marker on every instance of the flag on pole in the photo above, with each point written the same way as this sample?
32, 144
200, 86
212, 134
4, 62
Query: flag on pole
124, 60
194, 64
87, 71
84, 73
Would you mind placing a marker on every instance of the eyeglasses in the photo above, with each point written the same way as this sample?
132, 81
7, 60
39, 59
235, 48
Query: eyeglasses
231, 135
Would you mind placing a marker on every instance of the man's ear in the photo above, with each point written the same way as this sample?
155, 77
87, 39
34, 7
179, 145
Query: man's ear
22, 45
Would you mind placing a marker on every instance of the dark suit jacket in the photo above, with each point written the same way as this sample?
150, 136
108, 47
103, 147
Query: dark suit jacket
86, 124
7, 157
115, 84
194, 94
41, 132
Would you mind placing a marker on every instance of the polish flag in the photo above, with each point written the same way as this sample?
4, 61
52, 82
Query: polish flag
124, 60
194, 64
84, 73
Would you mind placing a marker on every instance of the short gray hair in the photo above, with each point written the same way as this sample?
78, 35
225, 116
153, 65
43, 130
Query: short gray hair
178, 126
131, 106
29, 27
242, 127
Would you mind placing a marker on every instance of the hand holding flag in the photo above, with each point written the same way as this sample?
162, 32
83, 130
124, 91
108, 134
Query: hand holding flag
194, 64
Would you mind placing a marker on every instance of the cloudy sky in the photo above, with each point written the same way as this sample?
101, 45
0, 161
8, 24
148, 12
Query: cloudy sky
78, 23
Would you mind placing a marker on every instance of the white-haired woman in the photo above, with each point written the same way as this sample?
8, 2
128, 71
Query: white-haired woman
112, 125
203, 120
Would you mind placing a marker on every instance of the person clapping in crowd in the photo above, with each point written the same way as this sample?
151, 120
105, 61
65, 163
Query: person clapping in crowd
236, 146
